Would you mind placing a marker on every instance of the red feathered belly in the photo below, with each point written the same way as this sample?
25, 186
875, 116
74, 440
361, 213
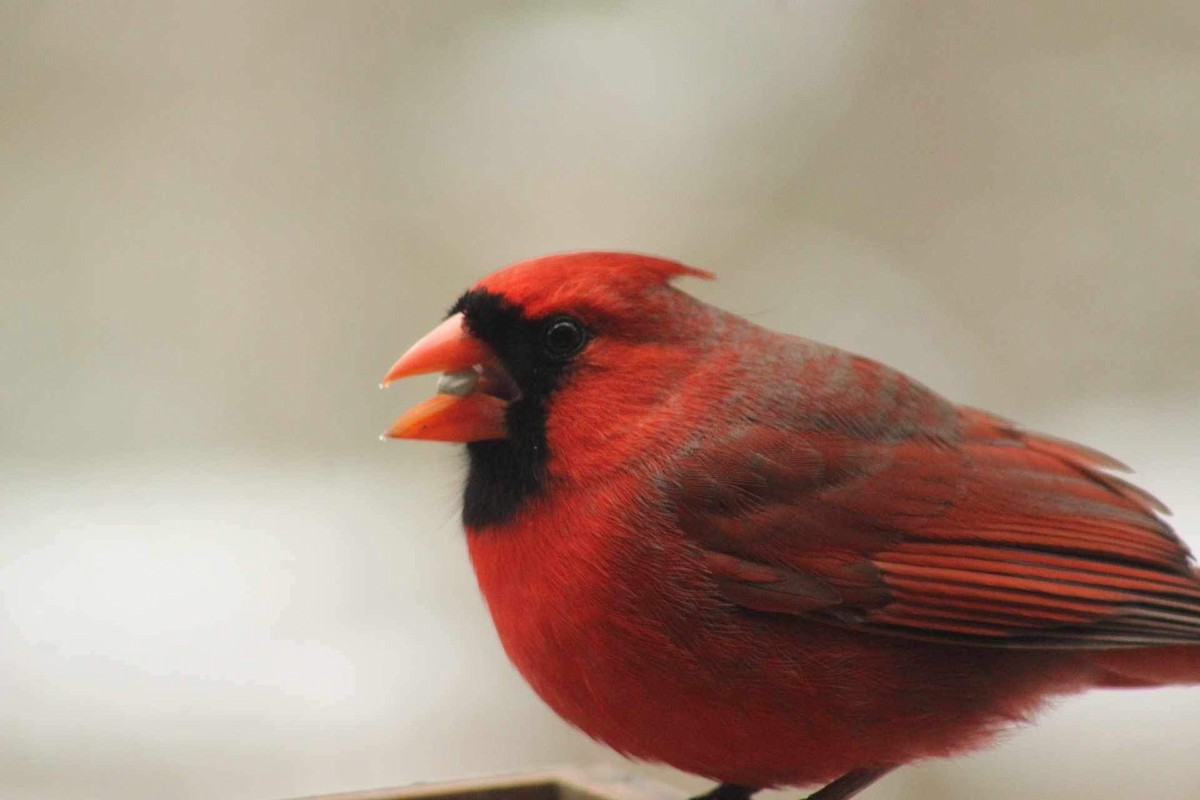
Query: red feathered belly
635, 655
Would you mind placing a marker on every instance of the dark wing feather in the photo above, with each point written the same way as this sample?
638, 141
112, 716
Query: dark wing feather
941, 523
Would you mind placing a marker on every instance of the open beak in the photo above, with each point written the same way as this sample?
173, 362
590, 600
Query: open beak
473, 394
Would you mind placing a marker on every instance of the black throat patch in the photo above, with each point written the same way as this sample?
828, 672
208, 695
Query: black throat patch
503, 474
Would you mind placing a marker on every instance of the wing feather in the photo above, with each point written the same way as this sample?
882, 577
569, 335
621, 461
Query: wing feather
971, 531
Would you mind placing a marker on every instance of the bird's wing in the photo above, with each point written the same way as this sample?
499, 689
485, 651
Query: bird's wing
954, 525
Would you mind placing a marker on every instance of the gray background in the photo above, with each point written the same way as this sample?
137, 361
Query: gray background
220, 223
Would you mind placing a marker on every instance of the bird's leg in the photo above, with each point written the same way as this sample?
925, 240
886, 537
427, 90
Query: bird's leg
727, 791
850, 784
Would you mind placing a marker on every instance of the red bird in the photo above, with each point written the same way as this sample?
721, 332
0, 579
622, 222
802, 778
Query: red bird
768, 561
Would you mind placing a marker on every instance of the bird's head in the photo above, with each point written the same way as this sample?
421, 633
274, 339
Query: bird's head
558, 355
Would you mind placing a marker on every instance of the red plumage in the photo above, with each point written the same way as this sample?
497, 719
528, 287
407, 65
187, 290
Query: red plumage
771, 562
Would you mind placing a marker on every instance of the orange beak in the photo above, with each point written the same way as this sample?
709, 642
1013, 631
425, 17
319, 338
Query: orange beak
465, 410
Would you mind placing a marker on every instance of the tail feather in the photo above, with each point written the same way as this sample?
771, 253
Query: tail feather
1176, 665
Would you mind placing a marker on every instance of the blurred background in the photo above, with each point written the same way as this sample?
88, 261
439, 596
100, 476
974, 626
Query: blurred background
220, 223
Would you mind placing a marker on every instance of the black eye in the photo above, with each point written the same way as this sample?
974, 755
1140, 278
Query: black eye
563, 337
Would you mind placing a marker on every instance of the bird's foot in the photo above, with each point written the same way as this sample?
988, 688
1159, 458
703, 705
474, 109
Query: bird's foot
849, 784
727, 791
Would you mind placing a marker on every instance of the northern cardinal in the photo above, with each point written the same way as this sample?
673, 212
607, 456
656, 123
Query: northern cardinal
768, 561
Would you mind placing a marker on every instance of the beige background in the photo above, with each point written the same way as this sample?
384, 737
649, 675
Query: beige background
220, 223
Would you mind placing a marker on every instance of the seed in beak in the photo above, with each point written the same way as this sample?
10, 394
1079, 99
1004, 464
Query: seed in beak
459, 384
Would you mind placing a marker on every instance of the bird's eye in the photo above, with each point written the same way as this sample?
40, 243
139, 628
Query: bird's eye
563, 337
